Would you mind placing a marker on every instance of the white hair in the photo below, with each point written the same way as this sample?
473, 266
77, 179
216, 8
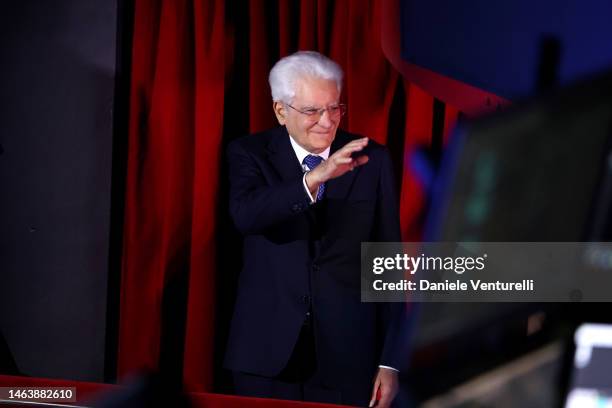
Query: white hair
288, 70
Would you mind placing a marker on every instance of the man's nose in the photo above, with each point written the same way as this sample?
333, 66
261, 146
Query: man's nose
325, 120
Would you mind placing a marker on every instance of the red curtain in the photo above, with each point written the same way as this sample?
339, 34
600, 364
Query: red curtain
199, 77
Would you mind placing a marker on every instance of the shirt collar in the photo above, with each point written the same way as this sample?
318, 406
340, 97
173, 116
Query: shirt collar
301, 153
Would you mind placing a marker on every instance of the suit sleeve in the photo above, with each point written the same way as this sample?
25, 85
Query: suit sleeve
397, 318
254, 203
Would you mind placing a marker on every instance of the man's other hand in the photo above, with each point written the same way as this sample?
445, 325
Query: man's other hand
387, 384
337, 164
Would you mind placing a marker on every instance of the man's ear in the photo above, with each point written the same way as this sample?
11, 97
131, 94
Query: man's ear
280, 112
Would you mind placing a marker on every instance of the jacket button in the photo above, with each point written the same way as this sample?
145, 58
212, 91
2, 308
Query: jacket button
316, 267
296, 208
306, 299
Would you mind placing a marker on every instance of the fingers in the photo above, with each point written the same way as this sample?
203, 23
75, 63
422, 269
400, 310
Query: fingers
341, 161
344, 160
353, 162
363, 140
385, 397
351, 147
374, 393
347, 151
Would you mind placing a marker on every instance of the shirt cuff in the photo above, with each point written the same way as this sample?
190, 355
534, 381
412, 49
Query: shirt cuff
390, 368
312, 200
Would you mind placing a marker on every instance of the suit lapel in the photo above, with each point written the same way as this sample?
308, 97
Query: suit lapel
284, 161
282, 157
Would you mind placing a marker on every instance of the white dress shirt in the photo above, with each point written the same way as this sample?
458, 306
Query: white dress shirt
301, 153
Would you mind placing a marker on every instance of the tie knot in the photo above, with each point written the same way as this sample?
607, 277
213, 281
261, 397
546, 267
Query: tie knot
312, 161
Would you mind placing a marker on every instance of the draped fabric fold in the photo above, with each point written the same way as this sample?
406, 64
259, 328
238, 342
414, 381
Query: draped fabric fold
176, 121
195, 64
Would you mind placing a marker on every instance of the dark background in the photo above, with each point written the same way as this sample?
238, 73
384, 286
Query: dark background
56, 135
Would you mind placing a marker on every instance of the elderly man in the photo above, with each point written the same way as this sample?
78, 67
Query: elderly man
305, 195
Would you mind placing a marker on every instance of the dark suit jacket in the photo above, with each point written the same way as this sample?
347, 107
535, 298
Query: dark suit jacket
299, 256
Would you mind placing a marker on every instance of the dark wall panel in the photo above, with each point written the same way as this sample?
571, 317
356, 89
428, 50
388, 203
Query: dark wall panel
56, 93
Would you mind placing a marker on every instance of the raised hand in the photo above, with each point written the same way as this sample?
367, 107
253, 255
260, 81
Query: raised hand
337, 164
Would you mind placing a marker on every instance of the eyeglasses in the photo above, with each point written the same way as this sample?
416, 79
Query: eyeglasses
334, 111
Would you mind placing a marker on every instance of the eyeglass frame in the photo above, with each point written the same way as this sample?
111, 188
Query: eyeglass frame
320, 111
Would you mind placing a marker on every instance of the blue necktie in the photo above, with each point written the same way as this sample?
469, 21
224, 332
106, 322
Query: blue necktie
313, 161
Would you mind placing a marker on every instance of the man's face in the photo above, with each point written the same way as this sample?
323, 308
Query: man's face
314, 133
